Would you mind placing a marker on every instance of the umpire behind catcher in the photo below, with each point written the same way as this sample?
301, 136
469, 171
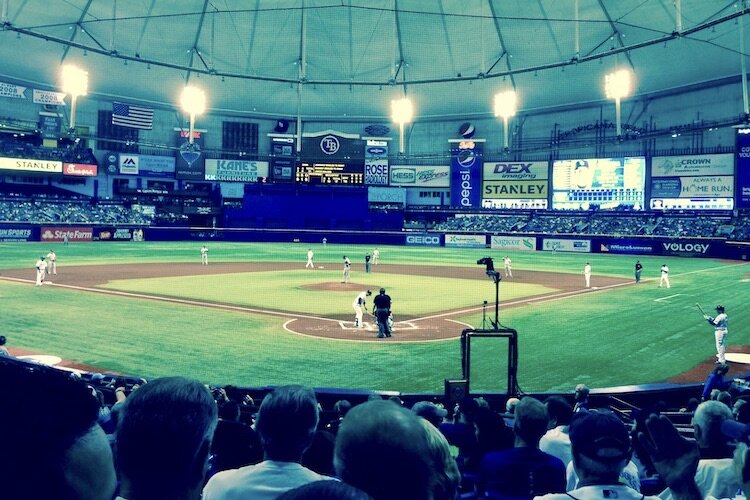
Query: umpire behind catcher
382, 306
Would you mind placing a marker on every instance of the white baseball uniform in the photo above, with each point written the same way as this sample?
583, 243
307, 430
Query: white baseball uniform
52, 259
720, 335
204, 255
347, 270
310, 264
375, 256
359, 305
664, 276
507, 264
41, 270
587, 274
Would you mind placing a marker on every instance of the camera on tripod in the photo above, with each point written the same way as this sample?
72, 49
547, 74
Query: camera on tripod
487, 261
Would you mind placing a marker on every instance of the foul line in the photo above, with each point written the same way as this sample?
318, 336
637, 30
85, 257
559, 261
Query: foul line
667, 297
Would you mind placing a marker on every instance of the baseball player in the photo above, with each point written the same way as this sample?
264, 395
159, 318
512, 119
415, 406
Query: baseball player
347, 269
204, 255
375, 256
638, 269
41, 270
720, 332
52, 262
507, 265
310, 255
360, 305
587, 274
664, 276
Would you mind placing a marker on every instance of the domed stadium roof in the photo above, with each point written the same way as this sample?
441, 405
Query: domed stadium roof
350, 58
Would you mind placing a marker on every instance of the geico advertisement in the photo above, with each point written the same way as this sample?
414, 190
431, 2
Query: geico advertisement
515, 189
423, 239
31, 165
512, 243
519, 170
669, 166
236, 170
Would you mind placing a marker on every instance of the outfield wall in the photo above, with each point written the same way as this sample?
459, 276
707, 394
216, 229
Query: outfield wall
631, 245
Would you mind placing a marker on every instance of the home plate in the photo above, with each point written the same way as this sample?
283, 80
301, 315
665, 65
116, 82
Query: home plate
738, 357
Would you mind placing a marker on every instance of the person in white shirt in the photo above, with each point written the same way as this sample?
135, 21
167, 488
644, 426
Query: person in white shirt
310, 255
204, 255
508, 267
347, 270
360, 305
52, 262
41, 270
556, 440
286, 423
664, 276
720, 332
587, 274
375, 256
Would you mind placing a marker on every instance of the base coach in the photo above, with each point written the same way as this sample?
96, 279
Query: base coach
382, 306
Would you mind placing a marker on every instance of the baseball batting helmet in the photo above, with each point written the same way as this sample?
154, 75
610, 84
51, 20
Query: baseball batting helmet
720, 308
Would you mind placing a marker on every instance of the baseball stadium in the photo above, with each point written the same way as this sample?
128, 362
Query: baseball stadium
547, 193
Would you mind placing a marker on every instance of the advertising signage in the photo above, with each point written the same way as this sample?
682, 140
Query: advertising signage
420, 176
80, 170
29, 165
695, 182
376, 163
742, 152
236, 170
466, 173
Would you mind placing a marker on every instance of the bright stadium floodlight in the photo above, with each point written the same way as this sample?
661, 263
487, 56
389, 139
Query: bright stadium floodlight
75, 81
193, 101
616, 86
402, 112
505, 107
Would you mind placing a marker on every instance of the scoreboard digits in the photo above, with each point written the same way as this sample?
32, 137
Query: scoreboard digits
329, 173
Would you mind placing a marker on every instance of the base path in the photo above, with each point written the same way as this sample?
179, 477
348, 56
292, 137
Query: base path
437, 326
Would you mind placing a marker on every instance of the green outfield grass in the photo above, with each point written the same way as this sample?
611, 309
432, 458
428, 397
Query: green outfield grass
613, 337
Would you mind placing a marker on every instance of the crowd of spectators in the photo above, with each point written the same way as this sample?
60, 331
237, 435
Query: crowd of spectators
77, 437
29, 146
69, 212
735, 227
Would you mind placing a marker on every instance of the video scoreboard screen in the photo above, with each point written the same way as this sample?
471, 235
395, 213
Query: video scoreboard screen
603, 182
329, 173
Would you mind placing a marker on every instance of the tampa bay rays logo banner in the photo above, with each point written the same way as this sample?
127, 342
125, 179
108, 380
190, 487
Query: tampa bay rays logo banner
466, 173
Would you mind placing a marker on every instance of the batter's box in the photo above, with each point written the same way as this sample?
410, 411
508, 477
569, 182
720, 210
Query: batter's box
373, 327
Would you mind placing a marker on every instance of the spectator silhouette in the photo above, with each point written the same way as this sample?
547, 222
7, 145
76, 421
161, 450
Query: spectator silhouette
556, 440
383, 450
163, 440
52, 447
325, 490
235, 444
286, 423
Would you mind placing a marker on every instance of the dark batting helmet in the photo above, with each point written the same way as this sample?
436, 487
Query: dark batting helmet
720, 308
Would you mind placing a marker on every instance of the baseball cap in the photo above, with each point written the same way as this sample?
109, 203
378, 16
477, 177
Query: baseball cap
428, 410
735, 430
599, 435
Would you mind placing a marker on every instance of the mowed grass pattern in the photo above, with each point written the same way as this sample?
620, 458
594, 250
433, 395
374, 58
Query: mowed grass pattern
609, 338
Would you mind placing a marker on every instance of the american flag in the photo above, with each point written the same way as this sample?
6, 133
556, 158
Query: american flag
127, 115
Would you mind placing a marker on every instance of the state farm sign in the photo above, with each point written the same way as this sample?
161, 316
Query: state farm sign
80, 170
72, 233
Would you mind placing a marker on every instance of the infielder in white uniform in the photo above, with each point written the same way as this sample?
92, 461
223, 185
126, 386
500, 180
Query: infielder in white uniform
52, 262
507, 265
41, 270
375, 256
347, 269
204, 255
587, 274
310, 255
664, 276
720, 332
359, 305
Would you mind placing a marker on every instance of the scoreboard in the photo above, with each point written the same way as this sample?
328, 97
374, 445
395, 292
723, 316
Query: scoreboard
329, 173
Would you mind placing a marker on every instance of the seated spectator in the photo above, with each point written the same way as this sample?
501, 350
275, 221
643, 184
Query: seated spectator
523, 471
3, 349
556, 440
461, 433
52, 447
447, 477
601, 449
163, 439
325, 490
383, 450
319, 456
286, 423
510, 408
491, 434
235, 444
715, 380
341, 408
429, 411
581, 398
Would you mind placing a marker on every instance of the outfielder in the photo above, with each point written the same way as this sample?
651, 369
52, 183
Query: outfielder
347, 269
664, 276
720, 332
507, 265
310, 255
52, 262
360, 305
204, 255
41, 270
